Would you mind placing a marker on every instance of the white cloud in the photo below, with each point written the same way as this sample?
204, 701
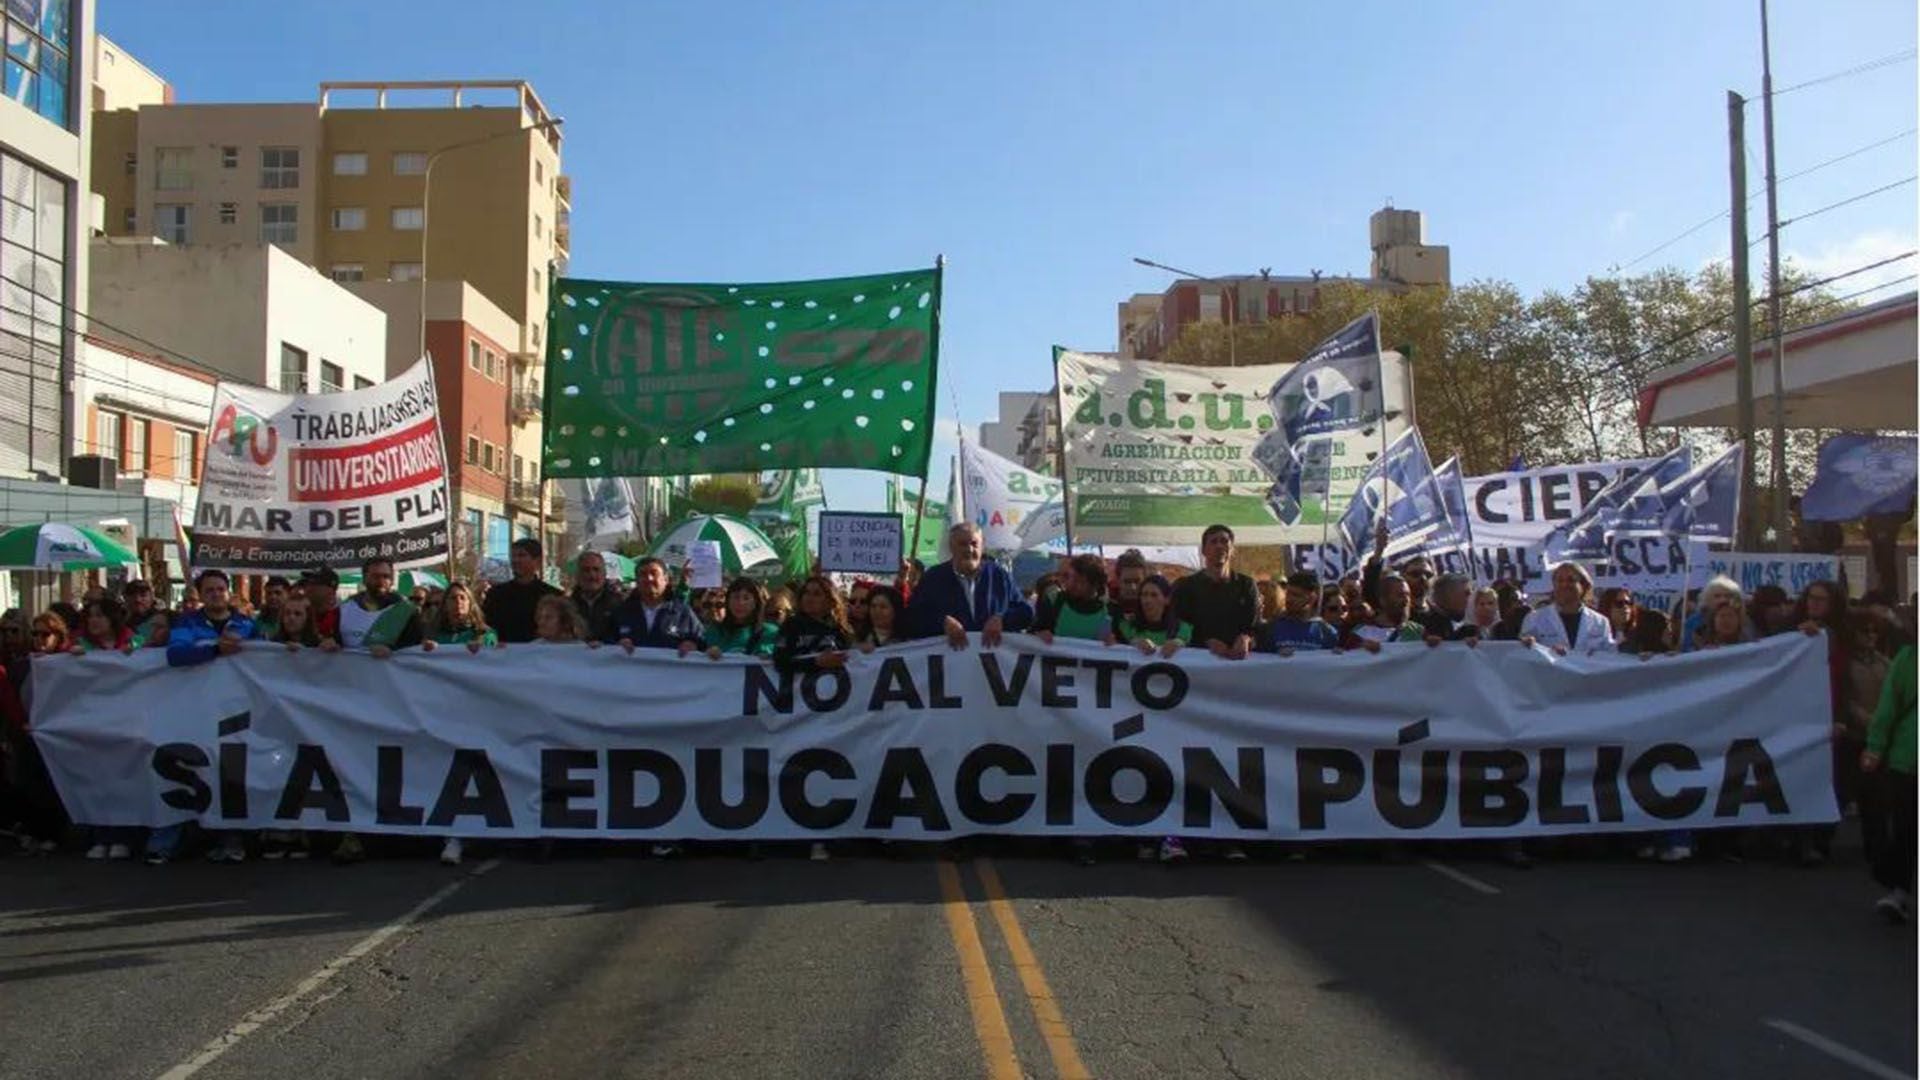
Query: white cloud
1862, 250
1621, 221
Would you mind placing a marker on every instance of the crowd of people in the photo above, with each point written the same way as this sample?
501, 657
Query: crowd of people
816, 623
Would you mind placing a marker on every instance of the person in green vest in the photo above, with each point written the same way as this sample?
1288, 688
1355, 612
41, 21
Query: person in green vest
1079, 609
376, 619
459, 622
1154, 626
742, 627
1889, 761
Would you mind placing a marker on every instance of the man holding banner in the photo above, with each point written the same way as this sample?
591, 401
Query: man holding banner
967, 593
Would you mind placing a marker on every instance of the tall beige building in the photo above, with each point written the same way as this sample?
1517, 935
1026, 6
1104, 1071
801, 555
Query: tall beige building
447, 181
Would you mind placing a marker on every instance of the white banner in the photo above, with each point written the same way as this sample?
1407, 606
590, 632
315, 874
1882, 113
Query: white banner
1157, 452
922, 741
295, 480
1754, 569
1002, 498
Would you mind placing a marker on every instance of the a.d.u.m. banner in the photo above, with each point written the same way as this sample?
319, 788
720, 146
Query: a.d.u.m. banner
655, 379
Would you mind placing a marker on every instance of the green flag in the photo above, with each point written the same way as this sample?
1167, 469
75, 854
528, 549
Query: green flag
781, 513
653, 380
933, 522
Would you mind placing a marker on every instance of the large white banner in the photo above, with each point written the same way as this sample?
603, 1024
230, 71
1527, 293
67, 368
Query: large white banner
1003, 497
1157, 452
923, 741
296, 480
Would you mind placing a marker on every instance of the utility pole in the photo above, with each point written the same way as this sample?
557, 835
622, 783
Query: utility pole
1782, 540
1742, 312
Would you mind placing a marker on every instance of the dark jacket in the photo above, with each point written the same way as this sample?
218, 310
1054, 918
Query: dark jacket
509, 608
598, 612
801, 637
1437, 623
195, 640
1220, 610
940, 595
673, 623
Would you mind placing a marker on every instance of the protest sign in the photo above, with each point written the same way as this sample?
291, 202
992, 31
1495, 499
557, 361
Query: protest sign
925, 742
653, 380
297, 480
1756, 568
703, 564
861, 543
1015, 507
1157, 452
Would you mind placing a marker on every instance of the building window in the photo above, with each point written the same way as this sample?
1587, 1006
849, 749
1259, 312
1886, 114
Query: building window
536, 280
33, 313
106, 440
539, 228
185, 461
39, 61
473, 449
229, 213
349, 218
127, 219
486, 456
279, 223
473, 355
536, 335
409, 218
361, 382
133, 163
539, 174
493, 365
229, 157
349, 164
403, 271
333, 378
409, 163
170, 221
348, 272
280, 167
293, 369
173, 168
138, 434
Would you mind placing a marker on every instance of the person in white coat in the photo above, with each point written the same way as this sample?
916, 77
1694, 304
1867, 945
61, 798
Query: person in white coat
1568, 624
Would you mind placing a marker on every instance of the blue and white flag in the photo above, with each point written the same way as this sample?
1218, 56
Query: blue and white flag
1399, 489
1335, 387
1585, 537
1704, 504
1456, 535
1301, 473
607, 510
1860, 475
1642, 510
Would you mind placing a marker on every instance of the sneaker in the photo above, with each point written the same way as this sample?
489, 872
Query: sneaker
1236, 853
818, 852
665, 851
450, 851
118, 852
299, 852
48, 847
1083, 852
1146, 852
1894, 907
349, 851
158, 858
97, 851
1172, 850
1647, 852
1676, 853
233, 849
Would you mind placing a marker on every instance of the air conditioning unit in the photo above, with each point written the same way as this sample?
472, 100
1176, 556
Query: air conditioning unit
93, 471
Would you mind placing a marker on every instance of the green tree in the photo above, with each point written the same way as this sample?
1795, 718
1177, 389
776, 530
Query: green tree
725, 494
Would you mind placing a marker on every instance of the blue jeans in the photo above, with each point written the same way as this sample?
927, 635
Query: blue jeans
165, 839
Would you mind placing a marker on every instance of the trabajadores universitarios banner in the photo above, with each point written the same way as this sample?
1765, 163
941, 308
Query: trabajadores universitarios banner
290, 481
924, 742
1157, 452
654, 379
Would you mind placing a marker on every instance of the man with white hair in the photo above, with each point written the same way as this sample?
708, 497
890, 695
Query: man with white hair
1568, 624
968, 592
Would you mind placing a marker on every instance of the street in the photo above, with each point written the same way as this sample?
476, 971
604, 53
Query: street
600, 963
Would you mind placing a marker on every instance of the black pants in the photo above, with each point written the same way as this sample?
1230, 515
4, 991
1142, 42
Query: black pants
30, 795
1893, 862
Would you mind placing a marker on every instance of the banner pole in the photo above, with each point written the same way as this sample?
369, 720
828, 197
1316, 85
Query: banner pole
1060, 452
919, 513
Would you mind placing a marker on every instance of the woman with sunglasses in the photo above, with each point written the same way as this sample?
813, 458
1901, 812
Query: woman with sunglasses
1618, 606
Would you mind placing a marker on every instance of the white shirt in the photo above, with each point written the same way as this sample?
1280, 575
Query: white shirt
1543, 625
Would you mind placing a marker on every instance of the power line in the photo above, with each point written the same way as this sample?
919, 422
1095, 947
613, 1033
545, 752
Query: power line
1857, 69
1848, 201
1875, 288
1856, 152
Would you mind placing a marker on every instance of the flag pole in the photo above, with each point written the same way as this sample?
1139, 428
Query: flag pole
1060, 452
920, 509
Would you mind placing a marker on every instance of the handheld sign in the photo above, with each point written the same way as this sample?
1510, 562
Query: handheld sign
860, 543
703, 564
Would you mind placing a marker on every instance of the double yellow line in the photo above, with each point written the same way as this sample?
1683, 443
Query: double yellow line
983, 1000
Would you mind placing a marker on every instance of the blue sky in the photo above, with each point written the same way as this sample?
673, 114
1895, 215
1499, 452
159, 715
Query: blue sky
1041, 146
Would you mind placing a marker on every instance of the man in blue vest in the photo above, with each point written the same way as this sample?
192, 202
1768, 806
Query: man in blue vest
966, 593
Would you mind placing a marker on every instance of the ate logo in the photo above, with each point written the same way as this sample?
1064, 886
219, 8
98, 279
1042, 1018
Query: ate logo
240, 432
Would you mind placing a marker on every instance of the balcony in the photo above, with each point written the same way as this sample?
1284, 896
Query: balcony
563, 186
526, 405
524, 494
525, 358
563, 239
173, 180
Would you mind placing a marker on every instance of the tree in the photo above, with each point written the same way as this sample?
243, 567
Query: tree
726, 494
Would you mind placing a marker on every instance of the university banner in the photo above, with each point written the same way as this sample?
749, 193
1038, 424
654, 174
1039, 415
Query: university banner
1157, 452
653, 380
291, 481
1015, 507
922, 741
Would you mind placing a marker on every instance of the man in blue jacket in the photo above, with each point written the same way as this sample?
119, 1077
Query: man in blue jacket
215, 630
650, 617
967, 593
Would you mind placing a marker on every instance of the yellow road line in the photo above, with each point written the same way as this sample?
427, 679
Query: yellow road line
989, 1020
1046, 1011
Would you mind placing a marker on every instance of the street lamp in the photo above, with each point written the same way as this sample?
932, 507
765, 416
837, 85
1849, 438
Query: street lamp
426, 193
1230, 312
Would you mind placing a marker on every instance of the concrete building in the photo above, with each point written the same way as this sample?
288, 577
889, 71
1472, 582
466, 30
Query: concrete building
148, 415
1002, 435
254, 314
1401, 260
490, 404
44, 128
1039, 446
121, 82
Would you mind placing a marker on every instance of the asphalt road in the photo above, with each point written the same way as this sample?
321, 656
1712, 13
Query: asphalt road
1017, 963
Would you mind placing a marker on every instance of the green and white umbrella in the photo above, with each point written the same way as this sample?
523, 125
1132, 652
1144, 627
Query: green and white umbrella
59, 546
741, 545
